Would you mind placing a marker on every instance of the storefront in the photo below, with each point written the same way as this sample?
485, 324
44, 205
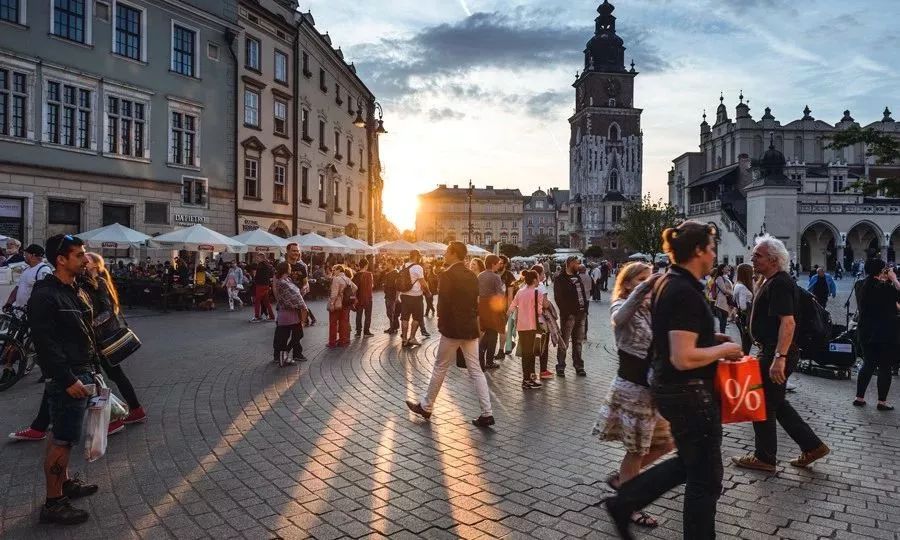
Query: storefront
12, 218
272, 225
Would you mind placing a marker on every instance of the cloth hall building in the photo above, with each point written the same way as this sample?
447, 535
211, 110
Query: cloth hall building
753, 176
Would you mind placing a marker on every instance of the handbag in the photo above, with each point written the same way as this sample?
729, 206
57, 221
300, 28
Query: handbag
117, 342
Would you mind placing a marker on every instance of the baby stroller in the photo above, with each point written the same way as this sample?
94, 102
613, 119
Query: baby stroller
837, 360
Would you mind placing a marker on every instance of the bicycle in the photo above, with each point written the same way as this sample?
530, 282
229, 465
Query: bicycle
17, 356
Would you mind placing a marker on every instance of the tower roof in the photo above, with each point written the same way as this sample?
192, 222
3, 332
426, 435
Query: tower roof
605, 52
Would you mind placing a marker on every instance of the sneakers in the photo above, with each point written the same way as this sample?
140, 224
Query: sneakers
255, 319
750, 461
115, 427
28, 434
417, 408
135, 416
483, 421
61, 512
74, 488
560, 373
807, 458
425, 334
300, 358
546, 374
531, 384
412, 342
368, 334
581, 373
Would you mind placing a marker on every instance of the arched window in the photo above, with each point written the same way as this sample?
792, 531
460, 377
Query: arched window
515, 238
614, 181
614, 132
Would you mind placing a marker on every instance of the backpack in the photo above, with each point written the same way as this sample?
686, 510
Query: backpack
404, 279
348, 301
813, 323
389, 282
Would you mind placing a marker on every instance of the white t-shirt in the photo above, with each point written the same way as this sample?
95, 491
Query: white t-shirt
415, 273
27, 281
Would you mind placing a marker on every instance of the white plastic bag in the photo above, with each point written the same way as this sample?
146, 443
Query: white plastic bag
97, 425
118, 408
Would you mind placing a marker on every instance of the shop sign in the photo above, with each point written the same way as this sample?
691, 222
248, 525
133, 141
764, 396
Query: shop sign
249, 225
190, 219
205, 247
11, 208
110, 245
263, 249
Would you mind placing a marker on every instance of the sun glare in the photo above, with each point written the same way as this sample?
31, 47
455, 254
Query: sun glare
400, 202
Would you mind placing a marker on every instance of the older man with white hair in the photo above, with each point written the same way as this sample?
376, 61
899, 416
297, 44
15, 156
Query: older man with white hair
773, 325
13, 253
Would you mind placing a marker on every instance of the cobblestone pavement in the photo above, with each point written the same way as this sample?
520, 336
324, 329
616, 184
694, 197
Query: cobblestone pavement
236, 447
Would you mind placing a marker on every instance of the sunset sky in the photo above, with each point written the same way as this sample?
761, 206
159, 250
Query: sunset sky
481, 89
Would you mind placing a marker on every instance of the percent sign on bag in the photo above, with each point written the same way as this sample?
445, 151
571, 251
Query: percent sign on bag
741, 390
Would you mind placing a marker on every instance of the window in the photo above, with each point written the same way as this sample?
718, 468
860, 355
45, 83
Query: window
9, 10
616, 214
183, 138
349, 203
251, 178
305, 60
337, 94
322, 85
115, 213
337, 196
322, 203
350, 152
280, 193
251, 53
13, 100
360, 203
337, 146
251, 108
280, 110
304, 185
322, 146
614, 181
193, 191
63, 217
304, 125
156, 213
68, 115
128, 36
212, 51
184, 43
837, 184
281, 69
125, 127
70, 19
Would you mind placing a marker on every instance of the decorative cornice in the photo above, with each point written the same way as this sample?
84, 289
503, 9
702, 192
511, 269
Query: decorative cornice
252, 143
253, 82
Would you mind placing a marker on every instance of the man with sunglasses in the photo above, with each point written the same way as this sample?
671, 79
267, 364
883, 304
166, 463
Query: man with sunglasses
61, 317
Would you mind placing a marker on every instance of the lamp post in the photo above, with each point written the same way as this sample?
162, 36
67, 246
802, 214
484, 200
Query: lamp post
373, 129
471, 192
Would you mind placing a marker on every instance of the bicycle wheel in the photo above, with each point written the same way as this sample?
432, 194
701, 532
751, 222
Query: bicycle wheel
13, 361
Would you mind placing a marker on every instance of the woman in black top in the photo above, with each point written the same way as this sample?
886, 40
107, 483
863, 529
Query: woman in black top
877, 297
686, 351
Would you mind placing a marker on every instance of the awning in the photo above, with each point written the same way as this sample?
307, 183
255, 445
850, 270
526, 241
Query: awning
713, 177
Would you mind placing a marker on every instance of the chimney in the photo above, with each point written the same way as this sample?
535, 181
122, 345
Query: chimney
442, 186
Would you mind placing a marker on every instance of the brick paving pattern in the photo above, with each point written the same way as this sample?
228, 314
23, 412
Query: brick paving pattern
236, 447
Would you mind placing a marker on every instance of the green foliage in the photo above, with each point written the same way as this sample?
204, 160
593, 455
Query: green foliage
884, 147
510, 250
643, 223
541, 244
594, 252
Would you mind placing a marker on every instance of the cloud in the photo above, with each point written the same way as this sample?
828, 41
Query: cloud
446, 113
540, 105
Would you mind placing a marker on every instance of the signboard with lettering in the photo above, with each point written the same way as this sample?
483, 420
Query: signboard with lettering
263, 249
249, 225
190, 219
205, 247
12, 220
110, 245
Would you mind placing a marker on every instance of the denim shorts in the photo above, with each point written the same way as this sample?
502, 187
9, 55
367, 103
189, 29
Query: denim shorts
66, 412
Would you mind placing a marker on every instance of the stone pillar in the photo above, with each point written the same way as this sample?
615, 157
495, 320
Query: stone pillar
840, 254
884, 247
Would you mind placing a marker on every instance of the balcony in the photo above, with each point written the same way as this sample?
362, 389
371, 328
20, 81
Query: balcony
708, 207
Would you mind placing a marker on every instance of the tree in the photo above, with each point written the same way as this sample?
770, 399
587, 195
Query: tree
643, 223
594, 252
510, 250
885, 148
541, 244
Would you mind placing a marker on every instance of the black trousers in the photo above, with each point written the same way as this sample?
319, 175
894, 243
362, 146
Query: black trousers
779, 410
823, 300
429, 304
881, 356
693, 411
526, 344
363, 317
288, 338
392, 309
743, 324
487, 345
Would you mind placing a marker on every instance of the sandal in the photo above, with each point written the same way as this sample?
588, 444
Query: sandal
613, 481
643, 519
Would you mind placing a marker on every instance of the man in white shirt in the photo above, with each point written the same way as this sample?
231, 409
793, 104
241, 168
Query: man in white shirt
36, 271
412, 301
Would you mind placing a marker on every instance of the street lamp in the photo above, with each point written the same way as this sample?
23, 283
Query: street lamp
471, 192
373, 128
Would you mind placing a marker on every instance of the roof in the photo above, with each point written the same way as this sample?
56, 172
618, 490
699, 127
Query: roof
478, 193
560, 196
714, 176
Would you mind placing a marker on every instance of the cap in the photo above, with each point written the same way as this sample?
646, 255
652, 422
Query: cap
35, 250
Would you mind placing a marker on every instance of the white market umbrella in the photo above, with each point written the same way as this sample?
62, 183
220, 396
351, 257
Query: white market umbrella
260, 241
397, 246
428, 248
639, 256
317, 243
114, 236
475, 250
358, 246
199, 238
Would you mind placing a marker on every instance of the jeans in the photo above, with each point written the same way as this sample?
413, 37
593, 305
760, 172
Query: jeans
363, 323
880, 355
722, 317
486, 347
778, 409
572, 328
261, 303
288, 337
446, 356
339, 327
693, 411
233, 297
392, 309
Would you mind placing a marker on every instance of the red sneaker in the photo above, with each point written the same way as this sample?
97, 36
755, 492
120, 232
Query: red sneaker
115, 427
546, 374
136, 416
28, 434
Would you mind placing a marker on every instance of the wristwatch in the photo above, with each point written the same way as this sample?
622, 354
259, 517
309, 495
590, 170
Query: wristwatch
780, 355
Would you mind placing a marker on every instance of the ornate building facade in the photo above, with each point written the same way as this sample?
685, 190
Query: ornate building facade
443, 215
606, 141
752, 176
545, 215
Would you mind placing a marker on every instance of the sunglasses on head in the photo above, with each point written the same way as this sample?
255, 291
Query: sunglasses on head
63, 240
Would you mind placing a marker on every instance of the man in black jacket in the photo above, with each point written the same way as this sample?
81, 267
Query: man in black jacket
61, 319
572, 301
458, 323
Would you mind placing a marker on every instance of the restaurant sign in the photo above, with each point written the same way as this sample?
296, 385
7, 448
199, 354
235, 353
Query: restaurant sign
205, 247
190, 219
263, 249
249, 225
110, 245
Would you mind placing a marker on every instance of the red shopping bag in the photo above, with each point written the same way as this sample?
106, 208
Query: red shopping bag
741, 390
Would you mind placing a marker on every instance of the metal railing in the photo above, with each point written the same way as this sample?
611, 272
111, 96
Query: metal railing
708, 207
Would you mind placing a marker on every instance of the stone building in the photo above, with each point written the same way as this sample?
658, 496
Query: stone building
443, 215
265, 117
99, 123
752, 176
606, 141
545, 214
